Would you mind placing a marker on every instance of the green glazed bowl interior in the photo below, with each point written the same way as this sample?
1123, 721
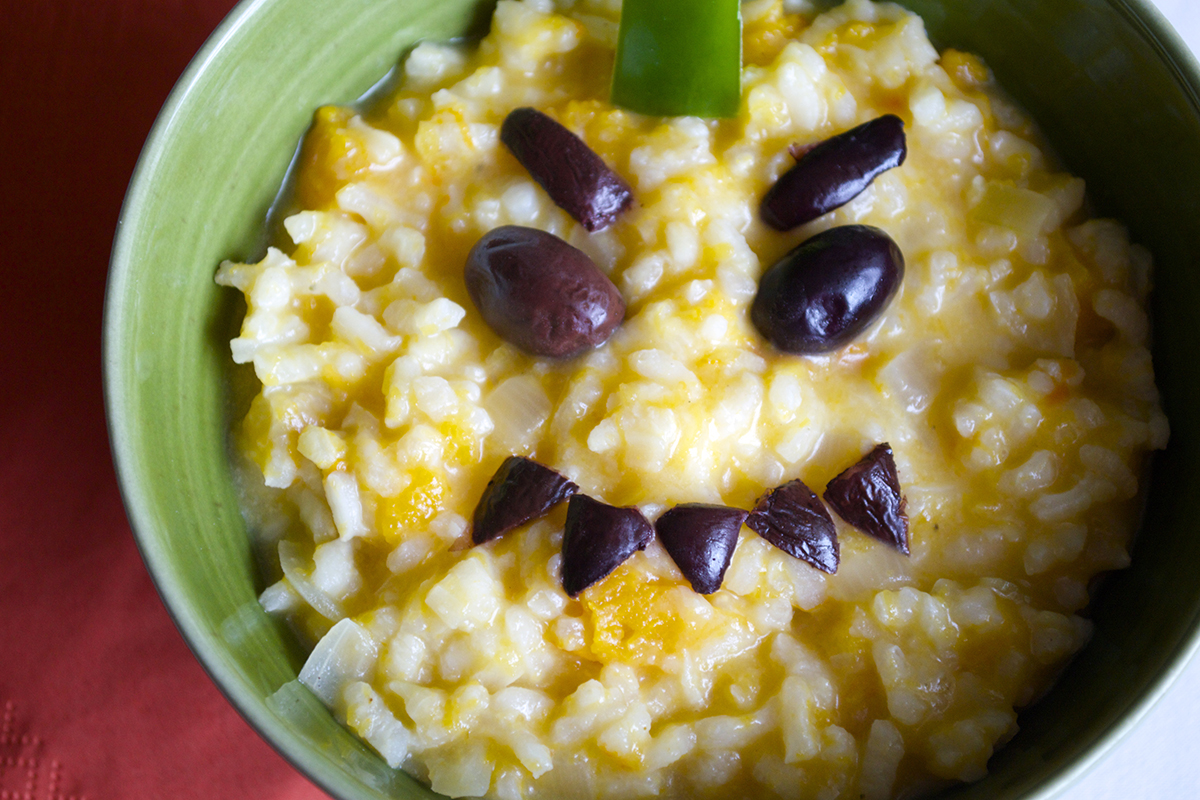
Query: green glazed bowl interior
1113, 87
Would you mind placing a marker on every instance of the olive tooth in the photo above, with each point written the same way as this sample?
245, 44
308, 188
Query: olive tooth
793, 519
868, 496
701, 539
597, 539
521, 490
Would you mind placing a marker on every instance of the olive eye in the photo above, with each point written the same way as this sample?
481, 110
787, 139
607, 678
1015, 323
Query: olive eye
575, 177
834, 172
828, 290
540, 293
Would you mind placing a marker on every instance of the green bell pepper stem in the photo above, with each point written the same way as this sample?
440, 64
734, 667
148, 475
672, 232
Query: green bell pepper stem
679, 58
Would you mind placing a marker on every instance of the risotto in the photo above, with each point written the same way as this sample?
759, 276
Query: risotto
1010, 376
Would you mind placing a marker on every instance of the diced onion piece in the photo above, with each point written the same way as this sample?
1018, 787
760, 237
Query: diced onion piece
344, 655
293, 567
519, 408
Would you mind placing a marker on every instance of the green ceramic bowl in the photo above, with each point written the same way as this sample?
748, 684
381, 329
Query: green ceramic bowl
1114, 88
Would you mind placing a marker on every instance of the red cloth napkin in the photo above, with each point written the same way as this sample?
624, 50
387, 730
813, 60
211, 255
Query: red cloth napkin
99, 695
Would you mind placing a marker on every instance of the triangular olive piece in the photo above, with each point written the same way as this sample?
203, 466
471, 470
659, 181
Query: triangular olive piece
793, 519
701, 539
520, 491
597, 539
868, 496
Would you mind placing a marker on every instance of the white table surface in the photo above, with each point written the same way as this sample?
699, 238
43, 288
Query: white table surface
1160, 758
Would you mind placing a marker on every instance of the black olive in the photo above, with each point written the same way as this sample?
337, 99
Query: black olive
793, 519
597, 539
701, 539
577, 179
834, 172
540, 293
520, 491
867, 495
828, 290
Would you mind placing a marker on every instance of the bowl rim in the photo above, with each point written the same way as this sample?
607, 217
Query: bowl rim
1143, 17
134, 499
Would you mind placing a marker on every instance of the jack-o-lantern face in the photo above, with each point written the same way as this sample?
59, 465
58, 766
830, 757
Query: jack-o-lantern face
807, 429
